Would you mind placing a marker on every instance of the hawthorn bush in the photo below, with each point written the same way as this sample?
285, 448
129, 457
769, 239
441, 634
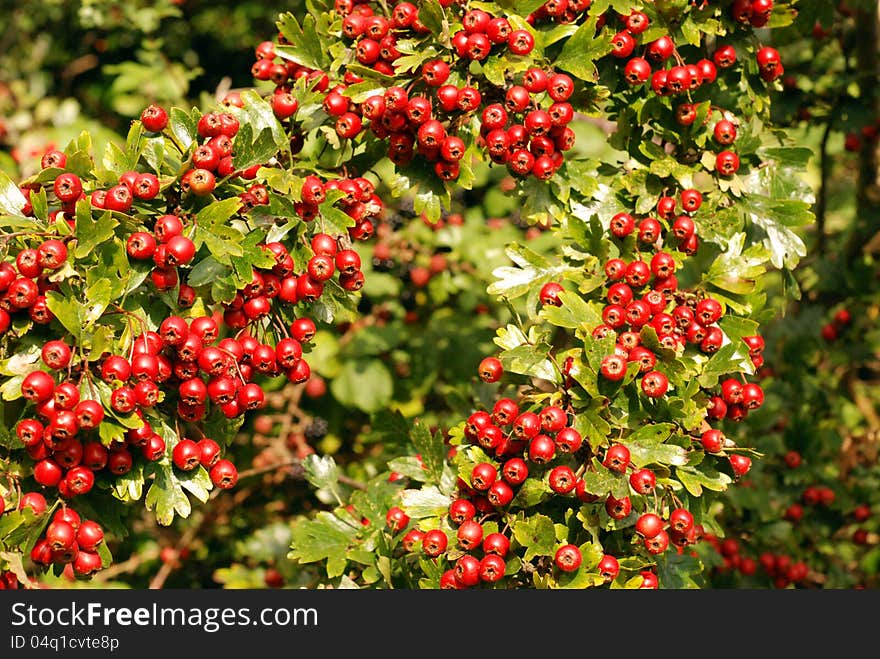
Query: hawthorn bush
492, 278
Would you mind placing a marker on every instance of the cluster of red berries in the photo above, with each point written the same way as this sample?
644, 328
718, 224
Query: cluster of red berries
62, 438
562, 11
779, 567
8, 580
831, 330
421, 118
358, 200
755, 13
735, 399
24, 284
69, 539
544, 444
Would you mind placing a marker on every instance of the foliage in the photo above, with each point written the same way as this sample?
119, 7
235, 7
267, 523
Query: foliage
521, 253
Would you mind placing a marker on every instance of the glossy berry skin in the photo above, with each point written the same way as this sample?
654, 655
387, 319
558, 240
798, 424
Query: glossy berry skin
89, 535
649, 525
186, 455
483, 476
654, 384
643, 481
681, 520
469, 535
490, 369
154, 118
549, 294
608, 567
434, 543
461, 510
224, 474
562, 479
617, 458
496, 543
515, 471
712, 441
740, 464
613, 367
396, 519
568, 558
492, 568
467, 570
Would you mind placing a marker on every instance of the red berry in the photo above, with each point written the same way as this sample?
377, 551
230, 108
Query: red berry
568, 558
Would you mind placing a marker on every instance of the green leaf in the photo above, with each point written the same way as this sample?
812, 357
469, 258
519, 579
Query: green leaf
364, 384
736, 271
646, 446
532, 492
582, 49
89, 232
324, 538
431, 449
11, 198
166, 496
426, 502
575, 312
206, 271
323, 474
696, 478
67, 310
183, 126
537, 535
730, 358
197, 482
305, 46
532, 272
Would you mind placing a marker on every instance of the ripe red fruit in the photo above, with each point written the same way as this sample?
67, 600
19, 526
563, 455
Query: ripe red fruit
86, 562
500, 494
33, 500
209, 452
61, 535
89, 536
492, 568
396, 519
568, 558
608, 567
469, 535
740, 464
154, 118
562, 479
617, 458
79, 480
515, 471
613, 367
490, 369
681, 520
56, 354
467, 570
37, 386
483, 475
643, 481
727, 163
434, 543
649, 525
712, 440
549, 294
67, 187
542, 449
496, 543
186, 455
224, 474
654, 384
461, 510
